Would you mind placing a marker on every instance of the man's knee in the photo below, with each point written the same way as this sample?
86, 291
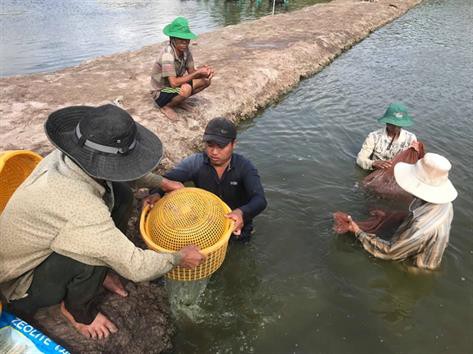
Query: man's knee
185, 90
57, 265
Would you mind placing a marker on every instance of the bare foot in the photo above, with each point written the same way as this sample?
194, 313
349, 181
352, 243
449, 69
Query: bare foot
113, 283
101, 326
169, 113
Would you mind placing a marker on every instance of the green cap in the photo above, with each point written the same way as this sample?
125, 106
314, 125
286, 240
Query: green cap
396, 114
179, 28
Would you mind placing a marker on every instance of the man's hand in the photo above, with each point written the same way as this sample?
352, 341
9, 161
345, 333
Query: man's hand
168, 186
353, 226
211, 71
151, 200
203, 72
237, 216
191, 257
415, 145
379, 164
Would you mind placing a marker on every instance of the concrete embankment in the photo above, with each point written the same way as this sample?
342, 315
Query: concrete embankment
256, 62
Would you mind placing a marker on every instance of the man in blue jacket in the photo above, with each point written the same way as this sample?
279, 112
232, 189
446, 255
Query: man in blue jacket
228, 175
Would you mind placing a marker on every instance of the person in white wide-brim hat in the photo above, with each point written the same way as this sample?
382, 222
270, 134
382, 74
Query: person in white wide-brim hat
424, 234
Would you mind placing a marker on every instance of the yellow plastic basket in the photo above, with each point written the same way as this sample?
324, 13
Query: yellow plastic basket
15, 166
189, 216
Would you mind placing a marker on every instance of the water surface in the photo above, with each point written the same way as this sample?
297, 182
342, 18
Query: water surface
297, 287
46, 35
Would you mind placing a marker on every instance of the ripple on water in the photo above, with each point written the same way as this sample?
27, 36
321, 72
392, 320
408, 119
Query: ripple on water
307, 164
86, 29
297, 282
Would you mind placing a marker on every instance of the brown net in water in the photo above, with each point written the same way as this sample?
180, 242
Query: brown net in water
382, 181
381, 223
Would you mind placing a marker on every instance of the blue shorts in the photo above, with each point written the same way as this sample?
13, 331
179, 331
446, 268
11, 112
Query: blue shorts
164, 98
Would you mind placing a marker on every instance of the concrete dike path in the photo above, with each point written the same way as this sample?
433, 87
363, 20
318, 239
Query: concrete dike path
256, 63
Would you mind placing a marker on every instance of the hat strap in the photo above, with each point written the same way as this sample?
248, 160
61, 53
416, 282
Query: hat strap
83, 141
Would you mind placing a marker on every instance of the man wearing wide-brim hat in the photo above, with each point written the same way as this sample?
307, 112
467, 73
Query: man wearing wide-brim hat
174, 77
63, 228
382, 145
424, 234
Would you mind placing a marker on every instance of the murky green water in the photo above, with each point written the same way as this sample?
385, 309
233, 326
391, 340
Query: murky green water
46, 35
298, 288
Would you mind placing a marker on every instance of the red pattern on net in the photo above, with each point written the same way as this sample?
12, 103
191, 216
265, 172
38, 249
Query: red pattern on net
382, 182
381, 223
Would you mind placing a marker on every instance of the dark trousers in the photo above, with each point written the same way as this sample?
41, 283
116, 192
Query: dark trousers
61, 278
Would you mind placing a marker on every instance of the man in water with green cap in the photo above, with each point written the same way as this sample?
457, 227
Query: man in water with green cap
382, 145
174, 77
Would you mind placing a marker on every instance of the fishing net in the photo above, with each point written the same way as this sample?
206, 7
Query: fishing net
382, 181
382, 223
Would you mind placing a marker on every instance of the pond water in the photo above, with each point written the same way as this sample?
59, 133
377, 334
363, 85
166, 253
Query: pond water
46, 35
297, 287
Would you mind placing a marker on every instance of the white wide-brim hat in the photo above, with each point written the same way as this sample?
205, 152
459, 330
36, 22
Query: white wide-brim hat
427, 179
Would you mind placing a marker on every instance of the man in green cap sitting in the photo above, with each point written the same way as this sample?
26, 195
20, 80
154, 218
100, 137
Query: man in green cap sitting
174, 77
382, 145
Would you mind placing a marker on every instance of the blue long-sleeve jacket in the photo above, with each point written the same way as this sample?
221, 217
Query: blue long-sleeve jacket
240, 185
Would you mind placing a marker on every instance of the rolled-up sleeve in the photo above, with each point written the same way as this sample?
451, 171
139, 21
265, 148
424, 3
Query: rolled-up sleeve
364, 156
150, 180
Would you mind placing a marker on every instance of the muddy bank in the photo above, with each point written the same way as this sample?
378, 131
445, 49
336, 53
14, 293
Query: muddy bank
256, 63
143, 321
